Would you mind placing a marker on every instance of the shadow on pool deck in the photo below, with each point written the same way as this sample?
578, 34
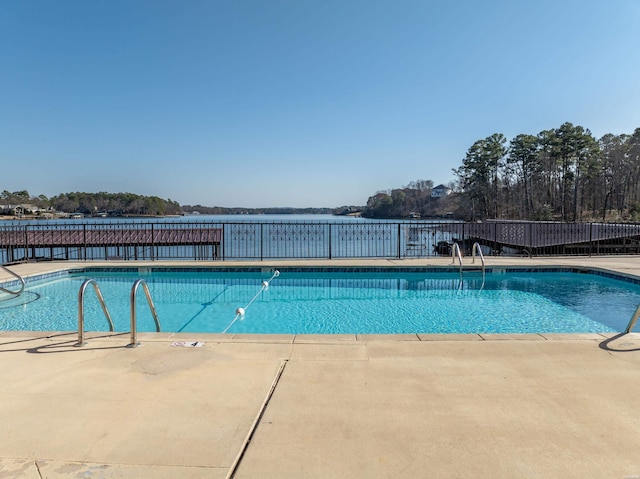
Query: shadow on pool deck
621, 343
320, 407
68, 345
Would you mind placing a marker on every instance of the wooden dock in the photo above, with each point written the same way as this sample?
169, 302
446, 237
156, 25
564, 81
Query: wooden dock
515, 234
107, 237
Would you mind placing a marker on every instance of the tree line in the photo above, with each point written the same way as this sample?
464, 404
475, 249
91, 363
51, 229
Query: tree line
130, 204
220, 210
91, 203
413, 199
563, 174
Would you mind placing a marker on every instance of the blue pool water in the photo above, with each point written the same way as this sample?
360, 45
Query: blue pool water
335, 302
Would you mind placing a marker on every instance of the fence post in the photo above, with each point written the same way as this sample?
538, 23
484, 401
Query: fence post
463, 233
261, 243
26, 243
222, 248
399, 248
590, 238
330, 237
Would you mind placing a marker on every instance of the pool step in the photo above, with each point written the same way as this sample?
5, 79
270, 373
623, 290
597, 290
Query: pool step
472, 269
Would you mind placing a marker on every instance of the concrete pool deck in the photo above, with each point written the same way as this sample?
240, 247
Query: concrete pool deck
276, 406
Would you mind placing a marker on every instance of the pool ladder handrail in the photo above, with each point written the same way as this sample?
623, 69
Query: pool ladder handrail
134, 333
476, 247
455, 252
83, 287
18, 277
633, 320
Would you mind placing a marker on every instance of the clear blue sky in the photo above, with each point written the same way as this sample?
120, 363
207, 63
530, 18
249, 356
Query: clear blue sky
296, 102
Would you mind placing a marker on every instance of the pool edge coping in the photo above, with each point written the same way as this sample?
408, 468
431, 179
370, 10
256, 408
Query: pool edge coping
309, 339
497, 269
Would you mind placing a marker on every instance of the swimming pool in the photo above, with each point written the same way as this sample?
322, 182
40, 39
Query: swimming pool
333, 302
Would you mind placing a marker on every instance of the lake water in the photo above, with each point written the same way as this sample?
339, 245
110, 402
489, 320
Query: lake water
304, 218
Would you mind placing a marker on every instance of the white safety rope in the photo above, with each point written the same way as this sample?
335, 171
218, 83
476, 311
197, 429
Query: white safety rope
240, 311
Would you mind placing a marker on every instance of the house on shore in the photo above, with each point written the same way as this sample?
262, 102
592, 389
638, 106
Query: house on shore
19, 210
440, 191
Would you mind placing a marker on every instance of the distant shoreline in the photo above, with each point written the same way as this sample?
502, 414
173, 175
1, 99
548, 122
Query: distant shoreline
65, 218
36, 217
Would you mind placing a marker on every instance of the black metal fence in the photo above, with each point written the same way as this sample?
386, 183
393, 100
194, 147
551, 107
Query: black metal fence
244, 240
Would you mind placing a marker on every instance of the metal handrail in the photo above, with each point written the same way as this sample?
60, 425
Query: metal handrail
18, 277
476, 247
134, 289
456, 249
87, 282
633, 320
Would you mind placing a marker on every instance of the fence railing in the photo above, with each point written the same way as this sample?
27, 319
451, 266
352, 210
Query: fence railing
245, 240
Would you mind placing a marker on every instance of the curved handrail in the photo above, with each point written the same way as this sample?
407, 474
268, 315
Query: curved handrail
476, 247
455, 251
134, 289
633, 320
18, 277
83, 287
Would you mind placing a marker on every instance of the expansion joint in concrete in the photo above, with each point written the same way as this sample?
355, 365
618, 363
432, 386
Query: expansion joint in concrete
256, 422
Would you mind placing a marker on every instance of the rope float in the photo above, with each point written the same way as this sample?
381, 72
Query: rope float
241, 311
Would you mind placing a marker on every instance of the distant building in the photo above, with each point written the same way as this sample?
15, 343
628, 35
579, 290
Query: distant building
20, 210
440, 191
